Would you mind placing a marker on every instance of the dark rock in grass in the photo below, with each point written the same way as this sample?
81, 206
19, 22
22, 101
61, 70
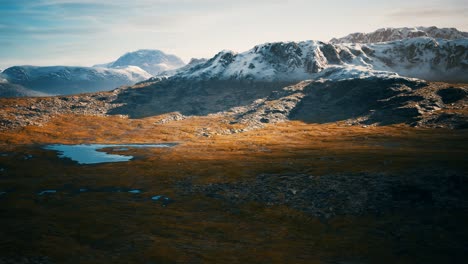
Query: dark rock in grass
164, 200
452, 94
44, 192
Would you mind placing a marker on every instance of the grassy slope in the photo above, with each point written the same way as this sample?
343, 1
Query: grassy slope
126, 228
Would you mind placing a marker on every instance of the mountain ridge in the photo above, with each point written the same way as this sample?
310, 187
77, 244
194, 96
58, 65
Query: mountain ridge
72, 79
425, 58
13, 90
392, 34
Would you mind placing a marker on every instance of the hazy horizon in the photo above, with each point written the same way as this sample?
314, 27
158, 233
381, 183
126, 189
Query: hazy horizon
84, 33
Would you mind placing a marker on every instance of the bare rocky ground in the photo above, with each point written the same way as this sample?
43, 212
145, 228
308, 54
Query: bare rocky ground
16, 113
333, 195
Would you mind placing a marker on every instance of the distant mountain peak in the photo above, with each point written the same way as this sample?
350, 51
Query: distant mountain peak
152, 61
392, 34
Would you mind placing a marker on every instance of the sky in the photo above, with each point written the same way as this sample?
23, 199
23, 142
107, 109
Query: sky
88, 32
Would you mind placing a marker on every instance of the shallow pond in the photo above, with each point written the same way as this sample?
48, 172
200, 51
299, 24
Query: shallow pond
91, 154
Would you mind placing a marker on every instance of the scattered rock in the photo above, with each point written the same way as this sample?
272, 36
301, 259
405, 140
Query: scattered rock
171, 117
165, 201
47, 192
39, 111
156, 198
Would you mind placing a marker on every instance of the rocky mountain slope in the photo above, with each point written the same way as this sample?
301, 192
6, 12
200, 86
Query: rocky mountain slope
392, 34
152, 61
365, 101
14, 90
251, 105
61, 80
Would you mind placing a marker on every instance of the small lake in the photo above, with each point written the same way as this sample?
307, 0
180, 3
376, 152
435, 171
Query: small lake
93, 154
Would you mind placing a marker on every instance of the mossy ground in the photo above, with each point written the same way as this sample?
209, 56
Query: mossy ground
98, 227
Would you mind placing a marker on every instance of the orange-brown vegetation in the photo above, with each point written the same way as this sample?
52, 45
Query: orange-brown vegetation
128, 228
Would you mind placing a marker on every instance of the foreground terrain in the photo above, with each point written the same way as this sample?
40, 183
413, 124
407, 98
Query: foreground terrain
290, 192
357, 166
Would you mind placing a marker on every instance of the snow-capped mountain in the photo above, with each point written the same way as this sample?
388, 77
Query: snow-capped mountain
72, 80
270, 61
428, 58
152, 61
391, 34
424, 58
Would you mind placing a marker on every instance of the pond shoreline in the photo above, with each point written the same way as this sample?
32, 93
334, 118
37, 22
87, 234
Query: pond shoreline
86, 154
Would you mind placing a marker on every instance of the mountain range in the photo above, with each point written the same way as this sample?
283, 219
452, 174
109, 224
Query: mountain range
429, 53
129, 69
55, 80
425, 58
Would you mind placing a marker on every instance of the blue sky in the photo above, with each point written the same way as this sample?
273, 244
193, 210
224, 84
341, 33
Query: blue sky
86, 32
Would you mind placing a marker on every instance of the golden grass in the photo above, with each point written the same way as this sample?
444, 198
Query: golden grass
122, 228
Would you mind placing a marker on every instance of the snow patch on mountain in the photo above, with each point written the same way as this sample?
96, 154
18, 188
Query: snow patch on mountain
132, 73
352, 72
